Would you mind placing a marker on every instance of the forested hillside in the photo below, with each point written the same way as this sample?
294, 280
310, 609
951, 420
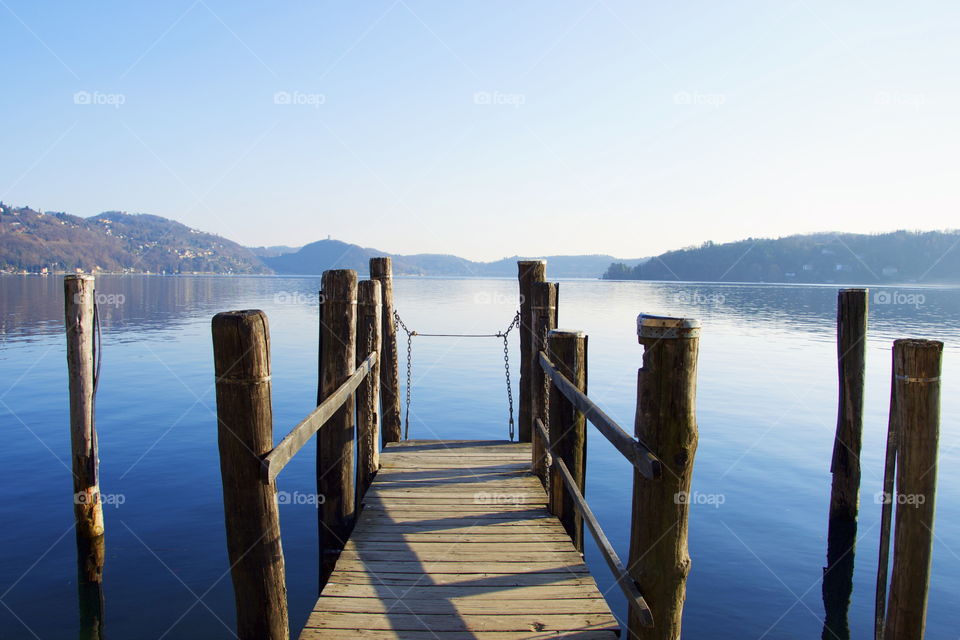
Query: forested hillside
902, 256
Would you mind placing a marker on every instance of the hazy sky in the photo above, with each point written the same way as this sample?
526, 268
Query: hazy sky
486, 128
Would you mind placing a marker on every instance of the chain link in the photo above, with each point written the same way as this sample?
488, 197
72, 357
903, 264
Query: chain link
372, 418
505, 334
398, 324
506, 368
546, 407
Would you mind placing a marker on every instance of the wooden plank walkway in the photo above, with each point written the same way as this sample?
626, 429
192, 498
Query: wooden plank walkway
455, 542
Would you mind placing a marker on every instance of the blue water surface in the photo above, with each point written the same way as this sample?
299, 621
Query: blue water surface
767, 398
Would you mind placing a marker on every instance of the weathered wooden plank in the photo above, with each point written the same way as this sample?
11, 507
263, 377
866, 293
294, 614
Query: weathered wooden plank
483, 593
526, 537
386, 604
459, 554
435, 623
387, 634
461, 567
454, 543
485, 580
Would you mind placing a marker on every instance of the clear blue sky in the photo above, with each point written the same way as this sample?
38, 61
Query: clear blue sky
486, 128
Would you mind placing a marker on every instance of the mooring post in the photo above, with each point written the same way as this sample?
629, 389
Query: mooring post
851, 360
917, 366
368, 393
568, 429
529, 272
543, 319
886, 508
78, 315
335, 441
381, 269
666, 422
90, 559
845, 466
241, 357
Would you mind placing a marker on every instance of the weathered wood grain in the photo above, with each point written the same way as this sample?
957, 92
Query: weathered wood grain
449, 556
241, 356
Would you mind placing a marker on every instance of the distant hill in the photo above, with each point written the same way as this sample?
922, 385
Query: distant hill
116, 242
273, 251
898, 257
319, 256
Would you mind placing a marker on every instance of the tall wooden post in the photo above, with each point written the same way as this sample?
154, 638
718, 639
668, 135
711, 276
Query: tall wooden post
335, 445
917, 389
837, 583
568, 429
78, 294
666, 422
543, 319
241, 357
529, 272
382, 269
886, 508
368, 393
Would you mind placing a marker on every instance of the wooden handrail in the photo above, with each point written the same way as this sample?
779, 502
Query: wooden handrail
624, 580
274, 461
634, 451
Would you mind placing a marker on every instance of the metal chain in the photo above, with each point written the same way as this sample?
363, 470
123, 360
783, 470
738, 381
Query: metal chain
398, 323
505, 334
546, 409
506, 368
371, 420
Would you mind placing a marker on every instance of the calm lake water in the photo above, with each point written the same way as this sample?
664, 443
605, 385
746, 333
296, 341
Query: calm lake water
766, 410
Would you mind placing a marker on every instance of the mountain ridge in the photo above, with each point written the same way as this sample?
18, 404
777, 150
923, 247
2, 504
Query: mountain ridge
817, 258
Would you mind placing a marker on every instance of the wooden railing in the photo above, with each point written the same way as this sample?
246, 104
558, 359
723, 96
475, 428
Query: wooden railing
654, 579
350, 345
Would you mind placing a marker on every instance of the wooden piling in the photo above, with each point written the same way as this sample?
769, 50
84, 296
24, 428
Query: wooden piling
528, 272
917, 366
381, 269
335, 440
368, 393
543, 319
837, 584
79, 319
666, 422
241, 354
886, 509
568, 434
851, 361
90, 560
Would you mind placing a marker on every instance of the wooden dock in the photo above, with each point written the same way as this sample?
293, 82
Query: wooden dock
449, 539
455, 541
